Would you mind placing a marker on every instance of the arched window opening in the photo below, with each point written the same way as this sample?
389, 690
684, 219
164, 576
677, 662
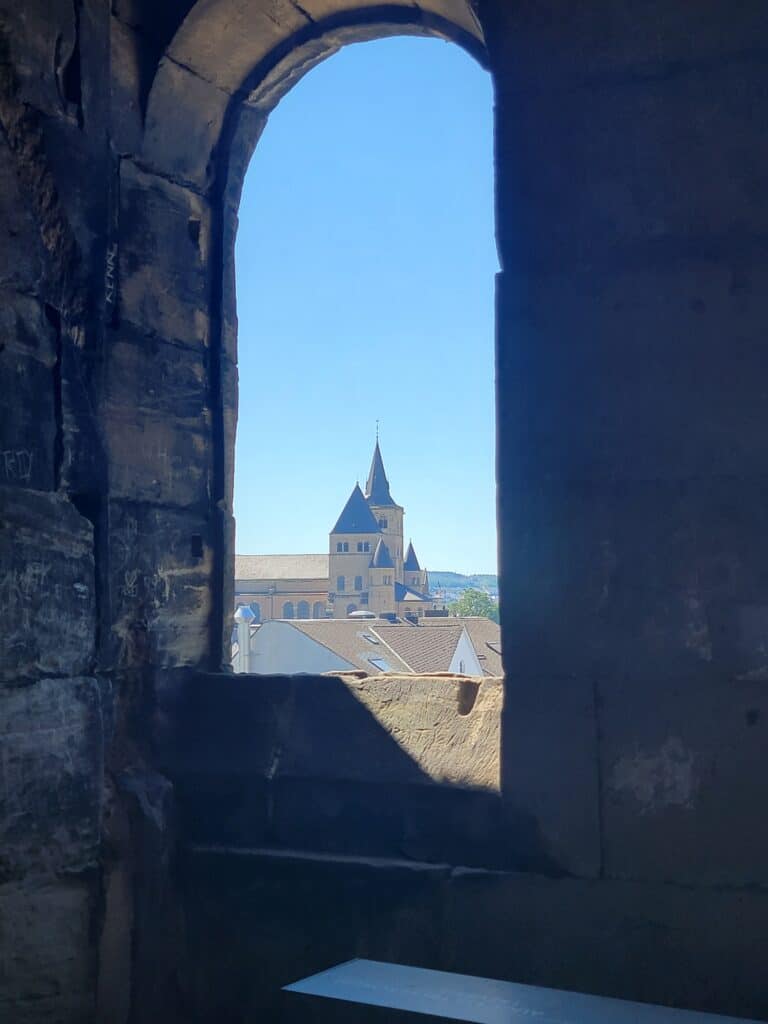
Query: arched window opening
390, 243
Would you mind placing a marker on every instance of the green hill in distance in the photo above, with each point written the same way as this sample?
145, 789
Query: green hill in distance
444, 580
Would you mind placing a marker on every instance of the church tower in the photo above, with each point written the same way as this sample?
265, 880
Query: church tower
388, 514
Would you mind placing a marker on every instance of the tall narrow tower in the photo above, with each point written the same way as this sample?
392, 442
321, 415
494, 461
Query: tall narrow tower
388, 514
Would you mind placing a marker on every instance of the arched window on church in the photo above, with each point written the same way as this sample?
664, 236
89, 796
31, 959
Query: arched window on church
288, 610
318, 610
358, 582
351, 608
302, 611
341, 584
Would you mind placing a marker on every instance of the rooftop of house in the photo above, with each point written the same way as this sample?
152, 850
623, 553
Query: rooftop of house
485, 635
377, 645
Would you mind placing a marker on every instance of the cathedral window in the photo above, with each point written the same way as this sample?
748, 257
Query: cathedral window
341, 584
358, 582
342, 545
383, 523
288, 610
363, 545
302, 611
318, 610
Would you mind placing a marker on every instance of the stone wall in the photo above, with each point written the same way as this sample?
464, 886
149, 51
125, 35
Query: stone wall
630, 147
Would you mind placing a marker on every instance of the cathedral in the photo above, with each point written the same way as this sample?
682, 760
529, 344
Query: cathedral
367, 567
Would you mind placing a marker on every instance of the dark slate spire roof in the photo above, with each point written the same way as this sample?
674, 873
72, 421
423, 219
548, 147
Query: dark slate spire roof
377, 485
381, 557
356, 516
411, 563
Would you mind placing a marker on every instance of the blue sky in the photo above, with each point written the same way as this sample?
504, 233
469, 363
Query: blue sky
365, 279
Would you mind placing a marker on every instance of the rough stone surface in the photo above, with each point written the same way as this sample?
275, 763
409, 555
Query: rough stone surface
50, 777
46, 568
160, 586
47, 960
27, 430
415, 776
158, 422
164, 280
630, 149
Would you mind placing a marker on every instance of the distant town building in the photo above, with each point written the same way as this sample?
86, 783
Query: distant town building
367, 567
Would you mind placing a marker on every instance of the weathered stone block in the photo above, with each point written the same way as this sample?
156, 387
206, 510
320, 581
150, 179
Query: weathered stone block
181, 97
51, 735
47, 592
241, 31
47, 957
550, 775
160, 585
602, 192
42, 38
673, 945
27, 426
156, 421
163, 260
643, 408
21, 251
636, 580
683, 769
612, 42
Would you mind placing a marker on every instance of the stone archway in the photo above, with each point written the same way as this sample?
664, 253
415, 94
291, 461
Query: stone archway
223, 71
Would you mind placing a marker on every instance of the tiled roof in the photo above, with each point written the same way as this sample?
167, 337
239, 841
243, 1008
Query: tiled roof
349, 639
377, 485
356, 516
424, 648
281, 567
376, 646
381, 557
485, 636
411, 563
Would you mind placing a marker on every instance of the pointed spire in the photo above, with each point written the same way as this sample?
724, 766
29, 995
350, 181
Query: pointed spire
381, 557
356, 516
411, 563
377, 485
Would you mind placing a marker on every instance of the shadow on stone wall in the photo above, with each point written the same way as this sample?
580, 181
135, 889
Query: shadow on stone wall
389, 767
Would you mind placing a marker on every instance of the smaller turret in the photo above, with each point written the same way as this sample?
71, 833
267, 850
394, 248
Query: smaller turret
413, 575
381, 575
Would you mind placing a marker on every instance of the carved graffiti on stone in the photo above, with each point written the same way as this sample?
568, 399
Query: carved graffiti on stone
110, 282
17, 464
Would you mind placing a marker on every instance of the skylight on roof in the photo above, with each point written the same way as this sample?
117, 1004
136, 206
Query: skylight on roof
380, 664
370, 638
